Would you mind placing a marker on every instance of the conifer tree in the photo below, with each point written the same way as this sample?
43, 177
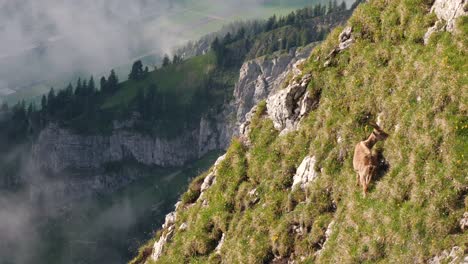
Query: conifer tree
137, 72
103, 84
112, 82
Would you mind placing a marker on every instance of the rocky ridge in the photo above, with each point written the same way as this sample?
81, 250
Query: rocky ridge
57, 148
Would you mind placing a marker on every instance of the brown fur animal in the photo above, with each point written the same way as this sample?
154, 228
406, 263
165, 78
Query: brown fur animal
365, 163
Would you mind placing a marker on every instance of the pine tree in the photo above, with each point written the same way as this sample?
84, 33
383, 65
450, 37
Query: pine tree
137, 71
343, 6
43, 102
91, 89
51, 100
166, 61
112, 82
79, 87
103, 84
30, 109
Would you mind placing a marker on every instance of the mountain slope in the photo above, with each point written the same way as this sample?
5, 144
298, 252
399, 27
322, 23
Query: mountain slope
287, 192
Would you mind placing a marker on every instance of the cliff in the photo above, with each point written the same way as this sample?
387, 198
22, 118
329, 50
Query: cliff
57, 148
285, 191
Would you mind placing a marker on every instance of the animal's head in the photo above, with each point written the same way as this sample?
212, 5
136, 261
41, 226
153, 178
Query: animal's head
379, 134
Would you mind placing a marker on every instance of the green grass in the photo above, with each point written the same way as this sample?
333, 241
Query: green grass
412, 211
181, 79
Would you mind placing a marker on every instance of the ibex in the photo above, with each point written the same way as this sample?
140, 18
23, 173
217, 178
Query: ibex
365, 163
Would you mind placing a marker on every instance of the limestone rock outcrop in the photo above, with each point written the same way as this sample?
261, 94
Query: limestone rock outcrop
454, 256
259, 77
447, 11
464, 222
286, 107
57, 148
345, 40
165, 237
305, 173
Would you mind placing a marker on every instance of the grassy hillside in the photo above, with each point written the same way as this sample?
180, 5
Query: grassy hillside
412, 211
181, 79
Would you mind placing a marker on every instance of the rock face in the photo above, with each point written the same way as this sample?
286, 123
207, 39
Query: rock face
259, 77
209, 180
168, 232
454, 256
447, 11
287, 106
58, 149
305, 173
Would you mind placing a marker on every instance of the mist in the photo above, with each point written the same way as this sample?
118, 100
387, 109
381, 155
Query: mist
49, 38
43, 40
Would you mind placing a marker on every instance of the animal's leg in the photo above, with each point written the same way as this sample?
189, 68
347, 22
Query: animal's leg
357, 179
366, 178
370, 174
363, 182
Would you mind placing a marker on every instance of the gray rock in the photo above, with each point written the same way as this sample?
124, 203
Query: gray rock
210, 179
207, 182
345, 40
245, 128
454, 256
447, 11
183, 227
57, 149
259, 77
305, 173
285, 107
253, 197
464, 221
170, 220
328, 233
159, 245
220, 244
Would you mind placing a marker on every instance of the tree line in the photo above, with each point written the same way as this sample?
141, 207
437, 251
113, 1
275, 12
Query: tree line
248, 40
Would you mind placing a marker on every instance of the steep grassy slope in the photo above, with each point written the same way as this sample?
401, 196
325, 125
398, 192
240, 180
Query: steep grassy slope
412, 212
182, 79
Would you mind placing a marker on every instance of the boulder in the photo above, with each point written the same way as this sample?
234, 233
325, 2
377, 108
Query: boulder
305, 173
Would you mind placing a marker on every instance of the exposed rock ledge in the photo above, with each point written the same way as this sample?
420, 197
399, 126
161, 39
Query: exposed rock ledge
58, 149
259, 77
454, 256
288, 106
447, 11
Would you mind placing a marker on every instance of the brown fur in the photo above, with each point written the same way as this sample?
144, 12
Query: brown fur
365, 163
